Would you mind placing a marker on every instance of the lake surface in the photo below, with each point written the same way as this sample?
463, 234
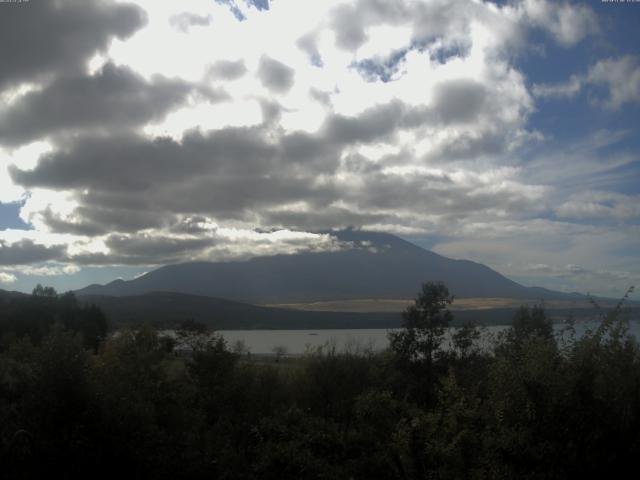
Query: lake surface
297, 342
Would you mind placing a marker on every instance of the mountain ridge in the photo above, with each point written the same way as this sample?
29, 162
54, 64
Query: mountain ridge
378, 265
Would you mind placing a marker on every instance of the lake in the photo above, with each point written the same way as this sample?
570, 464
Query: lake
297, 342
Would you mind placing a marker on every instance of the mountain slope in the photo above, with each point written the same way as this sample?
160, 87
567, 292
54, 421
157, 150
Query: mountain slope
379, 266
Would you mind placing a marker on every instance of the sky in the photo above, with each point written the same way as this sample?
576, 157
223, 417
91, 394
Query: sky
135, 134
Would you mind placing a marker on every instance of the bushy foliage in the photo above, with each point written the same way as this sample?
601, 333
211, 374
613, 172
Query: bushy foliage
533, 404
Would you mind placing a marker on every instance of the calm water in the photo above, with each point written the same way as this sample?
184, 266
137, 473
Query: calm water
296, 342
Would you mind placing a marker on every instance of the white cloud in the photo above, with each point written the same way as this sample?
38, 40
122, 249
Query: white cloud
568, 89
601, 205
47, 270
568, 23
536, 252
619, 76
7, 277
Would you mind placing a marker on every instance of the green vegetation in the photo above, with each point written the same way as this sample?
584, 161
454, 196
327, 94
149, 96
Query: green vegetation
75, 403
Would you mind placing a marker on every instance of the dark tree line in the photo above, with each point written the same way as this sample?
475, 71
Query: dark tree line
434, 405
34, 316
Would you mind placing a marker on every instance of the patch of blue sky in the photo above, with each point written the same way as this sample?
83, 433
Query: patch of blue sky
73, 281
619, 23
384, 69
234, 9
260, 5
547, 62
571, 119
445, 54
316, 60
10, 217
381, 69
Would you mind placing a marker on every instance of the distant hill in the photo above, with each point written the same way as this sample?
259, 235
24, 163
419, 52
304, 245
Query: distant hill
6, 295
168, 309
378, 266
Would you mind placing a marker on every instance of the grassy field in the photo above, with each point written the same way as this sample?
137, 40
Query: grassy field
398, 305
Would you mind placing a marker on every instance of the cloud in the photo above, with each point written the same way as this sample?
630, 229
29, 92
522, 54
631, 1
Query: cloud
275, 75
348, 28
620, 78
7, 277
114, 98
185, 20
568, 23
46, 270
536, 252
459, 101
567, 89
128, 183
27, 251
309, 44
154, 249
600, 205
227, 69
55, 37
220, 244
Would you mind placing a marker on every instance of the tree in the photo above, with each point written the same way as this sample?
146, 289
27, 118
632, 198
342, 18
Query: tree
279, 351
44, 292
465, 340
531, 322
424, 325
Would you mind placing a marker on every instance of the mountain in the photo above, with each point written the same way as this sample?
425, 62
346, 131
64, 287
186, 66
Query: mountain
7, 295
378, 265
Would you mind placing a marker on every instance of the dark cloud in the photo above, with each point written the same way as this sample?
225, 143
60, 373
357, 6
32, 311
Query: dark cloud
143, 249
244, 197
129, 183
275, 75
94, 220
59, 225
459, 101
44, 37
309, 152
185, 20
373, 124
155, 246
114, 98
125, 183
134, 163
26, 251
466, 146
325, 219
227, 70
